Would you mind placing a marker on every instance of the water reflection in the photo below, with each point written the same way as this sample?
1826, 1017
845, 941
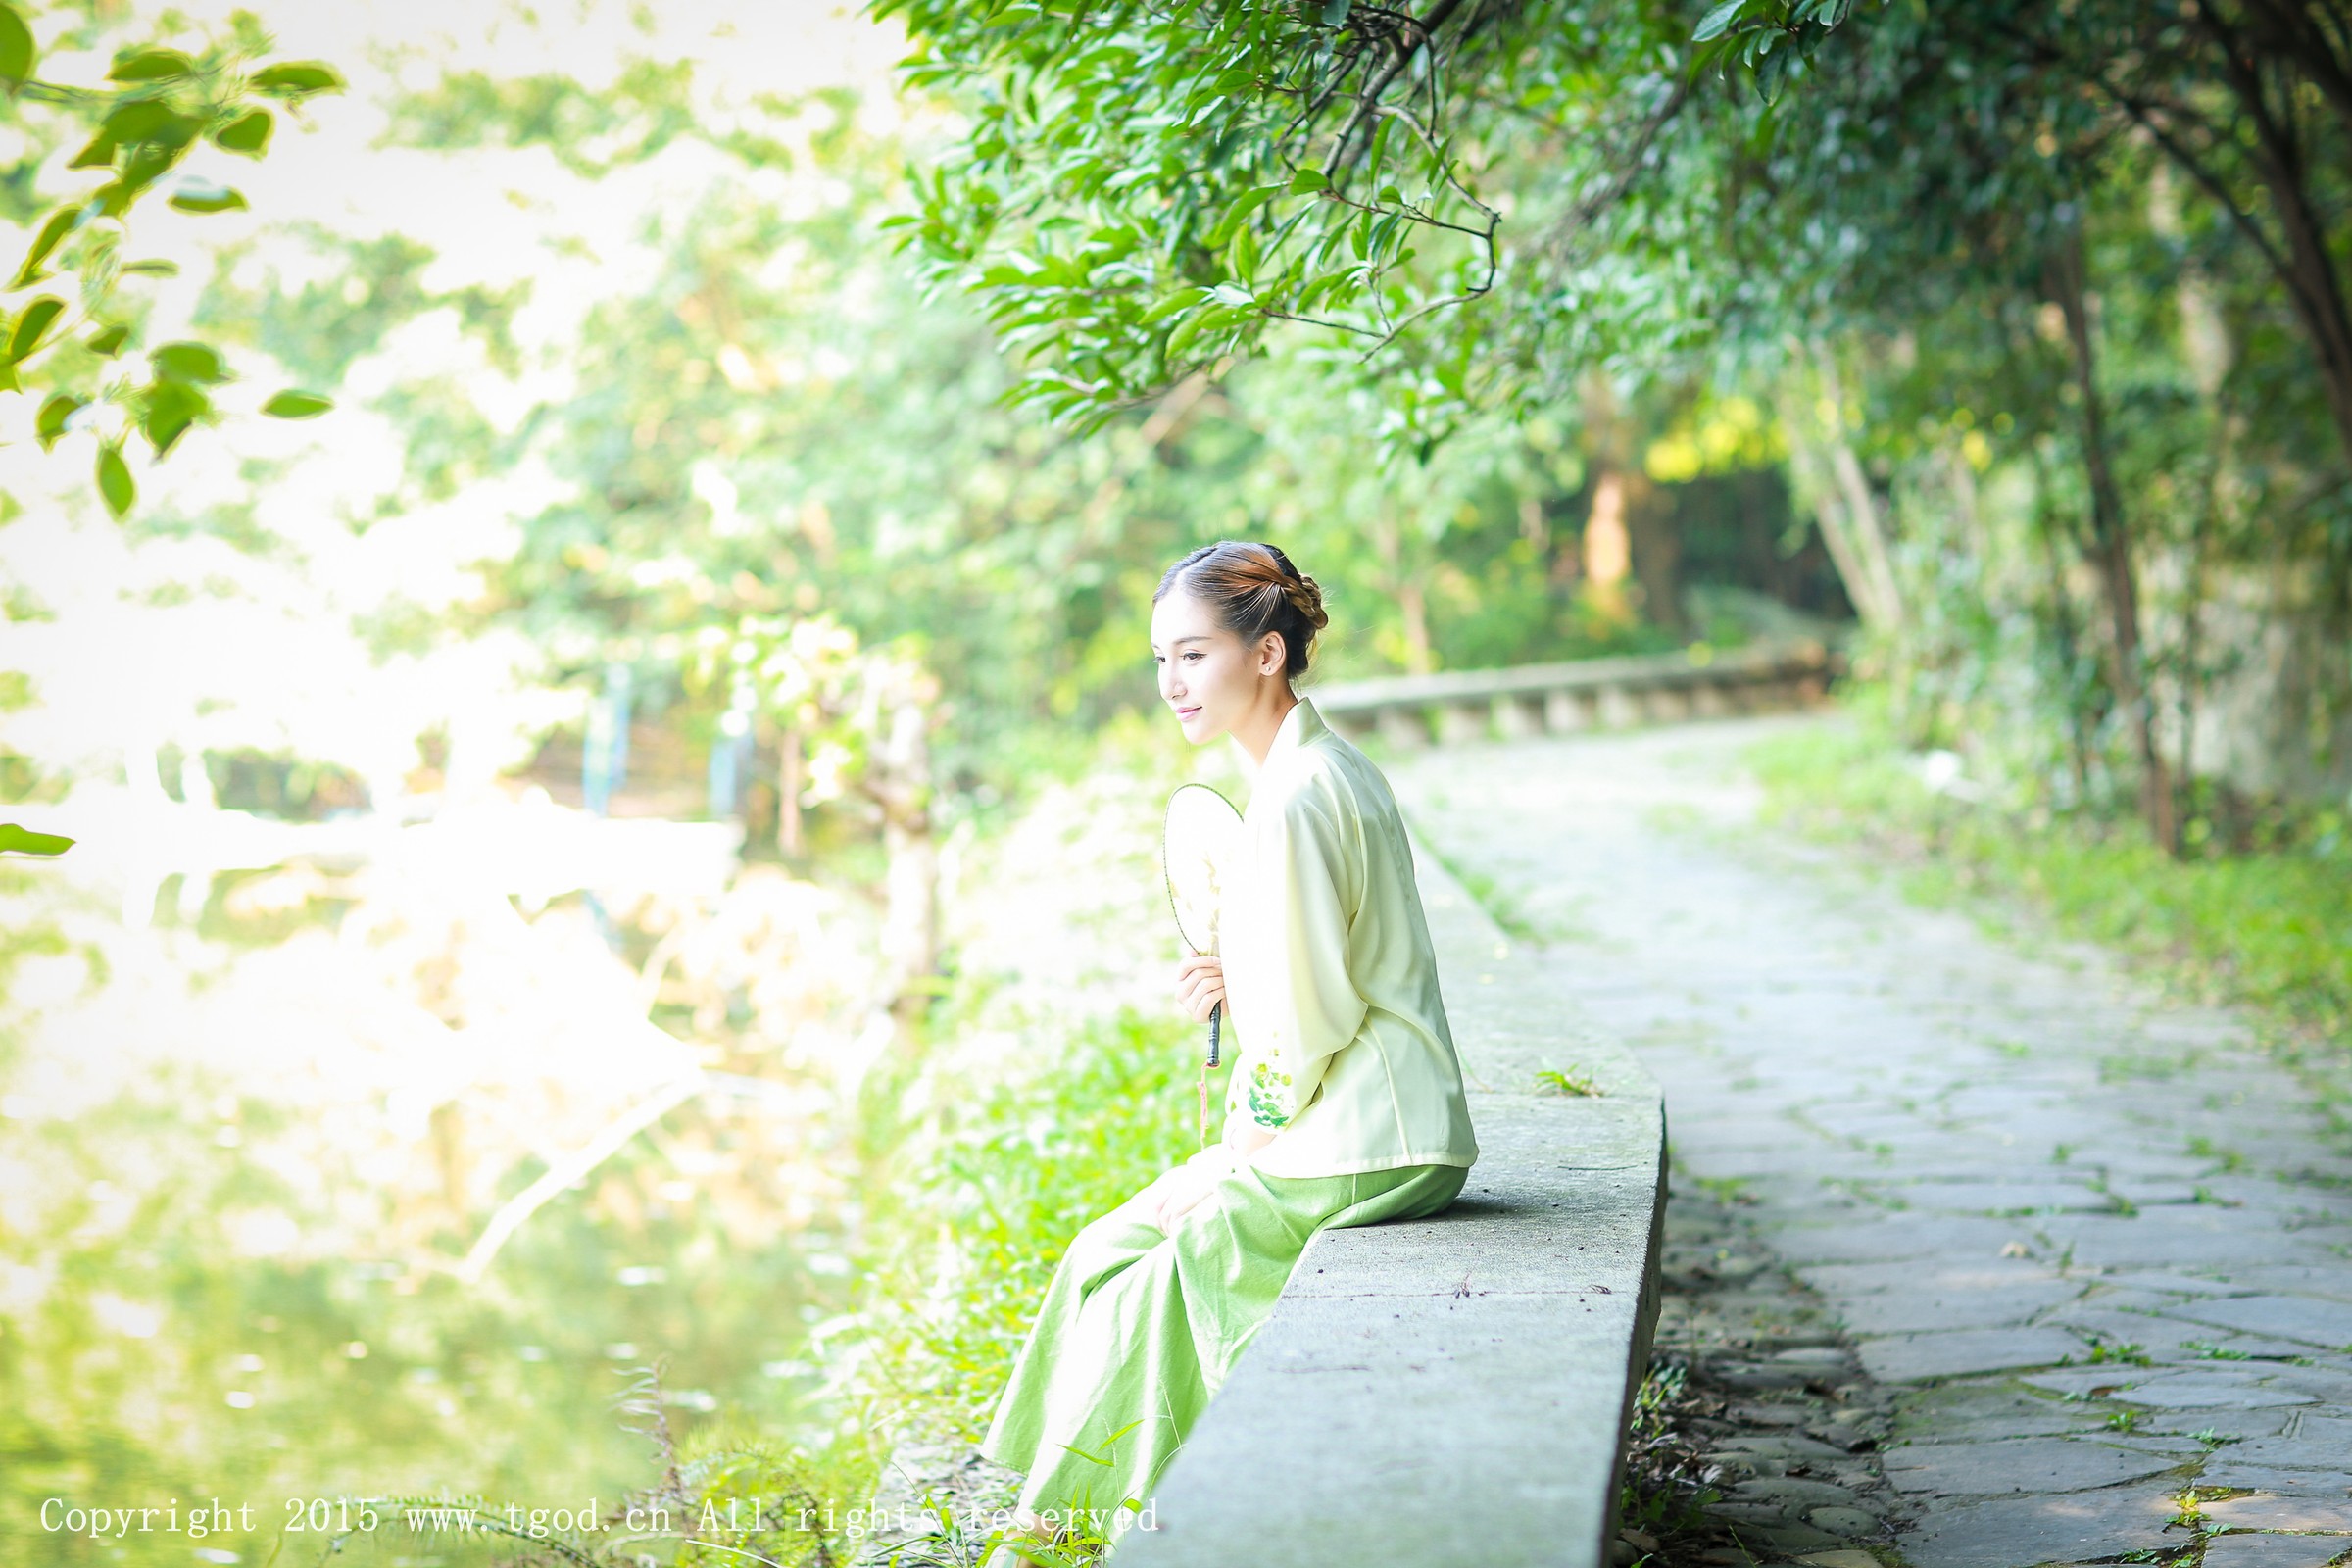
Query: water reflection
256, 1120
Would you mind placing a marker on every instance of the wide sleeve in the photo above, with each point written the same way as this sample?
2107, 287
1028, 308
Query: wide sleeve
1287, 977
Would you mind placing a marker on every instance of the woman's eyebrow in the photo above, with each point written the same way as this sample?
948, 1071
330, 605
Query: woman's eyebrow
1180, 641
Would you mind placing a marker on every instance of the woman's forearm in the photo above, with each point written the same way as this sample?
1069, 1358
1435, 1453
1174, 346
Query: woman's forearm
1252, 1138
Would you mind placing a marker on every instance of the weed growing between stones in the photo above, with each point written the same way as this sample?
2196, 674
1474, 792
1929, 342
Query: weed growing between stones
1571, 1080
1753, 1432
1668, 1480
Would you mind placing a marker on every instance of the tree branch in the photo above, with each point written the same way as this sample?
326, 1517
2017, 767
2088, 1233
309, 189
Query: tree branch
1368, 98
2297, 36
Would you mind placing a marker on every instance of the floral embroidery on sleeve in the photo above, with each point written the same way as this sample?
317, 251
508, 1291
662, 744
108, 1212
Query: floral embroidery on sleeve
1269, 1096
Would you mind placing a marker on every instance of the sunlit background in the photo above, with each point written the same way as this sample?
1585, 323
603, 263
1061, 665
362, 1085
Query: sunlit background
430, 1028
627, 841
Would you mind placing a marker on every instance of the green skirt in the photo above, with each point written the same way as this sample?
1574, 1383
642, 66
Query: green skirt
1141, 1327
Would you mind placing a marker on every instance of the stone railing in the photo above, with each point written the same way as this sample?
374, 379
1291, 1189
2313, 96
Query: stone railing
1524, 700
1452, 1392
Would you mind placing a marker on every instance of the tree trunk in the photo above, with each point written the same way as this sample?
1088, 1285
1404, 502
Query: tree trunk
2192, 627
1629, 530
1815, 485
1655, 550
1413, 603
2211, 352
1866, 526
2062, 628
899, 778
789, 784
2111, 546
1609, 548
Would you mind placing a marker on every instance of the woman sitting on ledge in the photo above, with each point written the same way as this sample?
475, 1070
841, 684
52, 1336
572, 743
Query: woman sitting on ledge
1346, 1105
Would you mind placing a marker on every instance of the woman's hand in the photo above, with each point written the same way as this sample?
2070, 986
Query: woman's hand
1180, 1190
1201, 985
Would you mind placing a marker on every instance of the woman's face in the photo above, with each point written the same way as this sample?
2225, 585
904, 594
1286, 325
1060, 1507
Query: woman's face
1206, 673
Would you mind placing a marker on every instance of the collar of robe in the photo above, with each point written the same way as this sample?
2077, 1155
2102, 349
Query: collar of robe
1300, 725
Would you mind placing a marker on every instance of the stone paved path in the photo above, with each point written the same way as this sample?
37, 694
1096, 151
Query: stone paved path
2099, 1249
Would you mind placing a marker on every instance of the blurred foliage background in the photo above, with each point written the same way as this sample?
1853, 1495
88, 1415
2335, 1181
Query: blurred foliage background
581, 576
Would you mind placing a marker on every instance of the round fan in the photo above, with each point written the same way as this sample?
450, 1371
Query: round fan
1197, 852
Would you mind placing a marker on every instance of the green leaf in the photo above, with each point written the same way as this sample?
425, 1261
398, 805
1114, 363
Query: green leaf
1304, 181
296, 78
1335, 12
14, 840
53, 234
293, 405
16, 45
1243, 253
151, 268
150, 64
207, 199
34, 322
149, 119
189, 361
1379, 151
1248, 202
1719, 20
147, 163
170, 408
248, 133
109, 343
114, 480
50, 426
1181, 337
1184, 299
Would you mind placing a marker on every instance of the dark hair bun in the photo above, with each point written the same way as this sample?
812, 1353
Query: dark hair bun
1307, 598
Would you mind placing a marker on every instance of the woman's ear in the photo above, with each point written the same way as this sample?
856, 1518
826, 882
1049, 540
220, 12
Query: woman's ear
1272, 656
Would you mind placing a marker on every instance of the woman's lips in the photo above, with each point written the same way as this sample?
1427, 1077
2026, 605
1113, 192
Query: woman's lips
1187, 712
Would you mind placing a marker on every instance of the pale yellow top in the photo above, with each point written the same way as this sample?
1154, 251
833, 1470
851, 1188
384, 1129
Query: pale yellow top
1329, 980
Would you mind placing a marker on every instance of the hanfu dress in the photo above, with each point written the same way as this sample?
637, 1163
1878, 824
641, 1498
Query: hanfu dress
1341, 1052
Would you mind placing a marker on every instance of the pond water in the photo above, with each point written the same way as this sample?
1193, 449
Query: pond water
254, 1122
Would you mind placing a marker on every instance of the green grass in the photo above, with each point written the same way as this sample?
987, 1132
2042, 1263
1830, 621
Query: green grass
2269, 929
984, 1200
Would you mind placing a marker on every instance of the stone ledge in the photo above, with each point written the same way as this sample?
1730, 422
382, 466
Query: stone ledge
1524, 700
1452, 1392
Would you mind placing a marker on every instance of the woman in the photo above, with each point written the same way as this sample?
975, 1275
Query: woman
1346, 1105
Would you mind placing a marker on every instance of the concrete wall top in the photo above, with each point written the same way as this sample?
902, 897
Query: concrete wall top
1758, 661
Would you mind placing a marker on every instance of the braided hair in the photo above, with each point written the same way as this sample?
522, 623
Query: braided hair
1254, 590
